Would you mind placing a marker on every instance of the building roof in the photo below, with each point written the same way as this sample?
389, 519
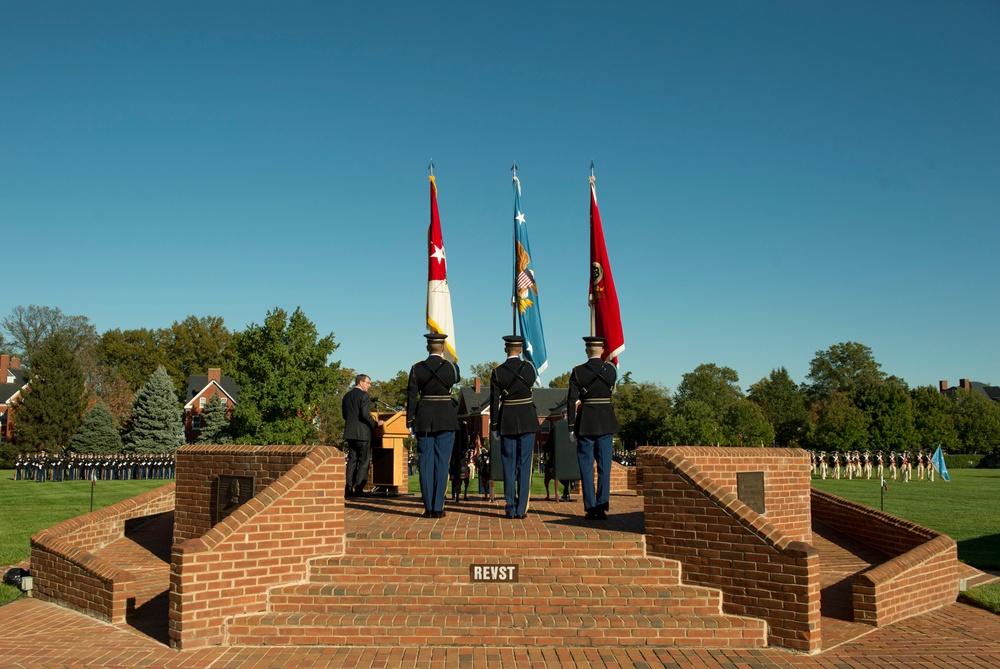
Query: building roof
198, 382
8, 390
992, 392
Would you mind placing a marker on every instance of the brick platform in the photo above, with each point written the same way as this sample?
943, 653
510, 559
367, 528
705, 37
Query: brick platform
37, 634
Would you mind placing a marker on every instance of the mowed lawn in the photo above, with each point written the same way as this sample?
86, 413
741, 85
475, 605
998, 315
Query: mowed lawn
967, 509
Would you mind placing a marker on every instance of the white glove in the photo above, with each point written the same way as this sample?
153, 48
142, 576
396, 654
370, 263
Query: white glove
495, 436
572, 437
413, 434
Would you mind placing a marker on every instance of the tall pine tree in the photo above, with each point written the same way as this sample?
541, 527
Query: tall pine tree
98, 433
51, 407
156, 417
214, 423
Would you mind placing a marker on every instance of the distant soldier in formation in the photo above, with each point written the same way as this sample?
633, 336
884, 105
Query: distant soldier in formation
836, 465
822, 465
907, 467
920, 465
893, 470
868, 465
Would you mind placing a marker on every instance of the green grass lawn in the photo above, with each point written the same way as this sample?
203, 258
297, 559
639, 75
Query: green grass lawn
966, 509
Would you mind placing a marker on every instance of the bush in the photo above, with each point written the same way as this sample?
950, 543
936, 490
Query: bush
962, 460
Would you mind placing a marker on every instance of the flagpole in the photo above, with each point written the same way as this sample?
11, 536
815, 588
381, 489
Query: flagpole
513, 264
590, 293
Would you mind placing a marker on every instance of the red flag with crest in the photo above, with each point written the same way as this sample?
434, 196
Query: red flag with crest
603, 297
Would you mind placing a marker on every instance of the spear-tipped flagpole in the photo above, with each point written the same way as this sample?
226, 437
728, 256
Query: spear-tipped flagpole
430, 167
590, 293
513, 286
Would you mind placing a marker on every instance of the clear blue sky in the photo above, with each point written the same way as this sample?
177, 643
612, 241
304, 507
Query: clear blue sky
774, 177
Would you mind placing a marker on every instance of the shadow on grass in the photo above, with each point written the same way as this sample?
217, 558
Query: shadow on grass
981, 552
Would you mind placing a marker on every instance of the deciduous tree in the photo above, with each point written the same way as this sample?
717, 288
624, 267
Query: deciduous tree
977, 420
694, 424
838, 425
890, 414
717, 387
842, 368
643, 410
29, 327
745, 425
784, 406
285, 379
483, 371
933, 419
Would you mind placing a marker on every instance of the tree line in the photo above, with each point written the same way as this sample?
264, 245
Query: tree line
130, 384
123, 390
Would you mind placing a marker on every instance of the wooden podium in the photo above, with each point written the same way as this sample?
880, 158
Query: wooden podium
389, 454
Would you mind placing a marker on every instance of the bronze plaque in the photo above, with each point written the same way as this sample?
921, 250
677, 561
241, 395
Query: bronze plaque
750, 489
494, 573
232, 491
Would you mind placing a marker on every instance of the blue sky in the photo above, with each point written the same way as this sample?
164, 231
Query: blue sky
774, 177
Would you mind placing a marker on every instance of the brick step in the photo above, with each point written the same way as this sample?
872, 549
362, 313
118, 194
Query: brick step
427, 543
401, 629
375, 568
497, 598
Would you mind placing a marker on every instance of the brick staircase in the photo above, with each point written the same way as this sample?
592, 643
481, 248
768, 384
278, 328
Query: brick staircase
573, 590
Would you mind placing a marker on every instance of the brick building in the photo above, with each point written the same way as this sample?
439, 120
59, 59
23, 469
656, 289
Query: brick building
201, 389
12, 380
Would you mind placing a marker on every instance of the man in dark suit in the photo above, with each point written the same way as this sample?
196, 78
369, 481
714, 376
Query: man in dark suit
432, 417
358, 426
592, 423
514, 421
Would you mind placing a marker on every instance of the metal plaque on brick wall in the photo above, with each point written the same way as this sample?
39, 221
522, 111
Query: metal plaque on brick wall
750, 489
231, 492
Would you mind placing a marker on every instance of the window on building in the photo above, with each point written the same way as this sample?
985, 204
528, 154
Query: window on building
224, 402
196, 422
202, 402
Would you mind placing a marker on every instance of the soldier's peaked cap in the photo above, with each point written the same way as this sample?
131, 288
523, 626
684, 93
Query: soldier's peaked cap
435, 338
514, 340
594, 341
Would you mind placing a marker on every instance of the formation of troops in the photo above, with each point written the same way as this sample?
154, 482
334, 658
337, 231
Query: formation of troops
44, 466
894, 466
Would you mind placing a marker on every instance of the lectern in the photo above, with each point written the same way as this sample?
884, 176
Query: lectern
389, 454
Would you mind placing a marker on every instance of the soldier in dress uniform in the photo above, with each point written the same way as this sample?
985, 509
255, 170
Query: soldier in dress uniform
514, 421
592, 425
432, 417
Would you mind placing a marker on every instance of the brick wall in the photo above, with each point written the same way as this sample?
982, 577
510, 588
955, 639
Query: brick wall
64, 566
763, 570
922, 574
198, 469
228, 569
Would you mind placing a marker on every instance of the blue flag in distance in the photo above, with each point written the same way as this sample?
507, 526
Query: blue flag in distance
937, 460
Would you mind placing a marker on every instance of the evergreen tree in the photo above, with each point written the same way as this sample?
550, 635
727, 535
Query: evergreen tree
156, 417
98, 432
51, 407
214, 423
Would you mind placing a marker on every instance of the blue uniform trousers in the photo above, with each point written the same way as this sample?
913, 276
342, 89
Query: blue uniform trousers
515, 455
434, 450
589, 450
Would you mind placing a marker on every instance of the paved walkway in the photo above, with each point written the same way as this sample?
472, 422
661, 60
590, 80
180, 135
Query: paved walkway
39, 635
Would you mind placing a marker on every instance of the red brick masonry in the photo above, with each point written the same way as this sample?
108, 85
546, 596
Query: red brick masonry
297, 514
762, 564
64, 566
922, 576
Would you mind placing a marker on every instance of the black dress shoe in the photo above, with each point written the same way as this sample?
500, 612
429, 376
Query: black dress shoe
429, 514
439, 514
509, 516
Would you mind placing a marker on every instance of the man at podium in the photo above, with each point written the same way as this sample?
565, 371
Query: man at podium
358, 426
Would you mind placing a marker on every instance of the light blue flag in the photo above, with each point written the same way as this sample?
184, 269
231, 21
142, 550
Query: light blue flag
529, 315
938, 461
